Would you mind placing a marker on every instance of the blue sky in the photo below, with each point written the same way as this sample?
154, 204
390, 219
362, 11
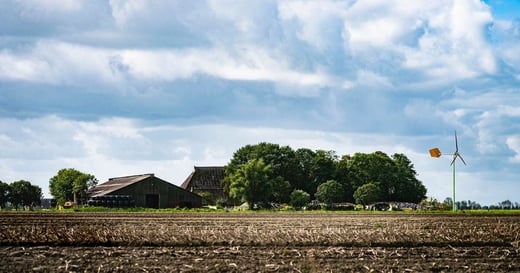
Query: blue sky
116, 88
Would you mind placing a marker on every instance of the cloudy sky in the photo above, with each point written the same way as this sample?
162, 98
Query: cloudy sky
116, 88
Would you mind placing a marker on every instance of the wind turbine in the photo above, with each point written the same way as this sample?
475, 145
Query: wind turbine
435, 152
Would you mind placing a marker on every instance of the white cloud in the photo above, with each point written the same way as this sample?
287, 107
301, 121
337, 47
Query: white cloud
38, 138
168, 150
252, 65
454, 44
368, 78
491, 126
21, 68
440, 40
513, 143
49, 7
123, 11
320, 21
343, 66
383, 24
56, 62
248, 18
81, 65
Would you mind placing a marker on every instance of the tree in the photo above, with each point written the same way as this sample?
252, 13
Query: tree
408, 187
463, 205
300, 198
323, 169
342, 176
330, 192
305, 159
282, 161
306, 170
395, 177
367, 194
280, 190
81, 185
375, 168
506, 204
251, 183
448, 202
71, 185
4, 194
473, 205
23, 193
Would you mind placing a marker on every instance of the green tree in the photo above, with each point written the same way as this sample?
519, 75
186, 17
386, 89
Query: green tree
4, 194
71, 185
330, 192
306, 169
300, 198
342, 176
378, 168
81, 185
395, 177
506, 204
251, 183
280, 190
448, 202
23, 193
408, 187
283, 167
323, 169
367, 194
305, 161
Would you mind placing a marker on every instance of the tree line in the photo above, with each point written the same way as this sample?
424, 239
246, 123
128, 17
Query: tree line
67, 185
269, 173
447, 204
19, 194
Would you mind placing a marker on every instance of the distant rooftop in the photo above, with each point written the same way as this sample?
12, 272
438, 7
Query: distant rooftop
116, 183
204, 178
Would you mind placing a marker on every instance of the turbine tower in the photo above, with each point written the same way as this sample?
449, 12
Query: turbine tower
435, 152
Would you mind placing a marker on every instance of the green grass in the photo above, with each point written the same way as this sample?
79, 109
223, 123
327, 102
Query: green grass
323, 211
378, 225
136, 209
493, 211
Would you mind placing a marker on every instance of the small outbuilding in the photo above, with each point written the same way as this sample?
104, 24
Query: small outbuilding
206, 180
148, 191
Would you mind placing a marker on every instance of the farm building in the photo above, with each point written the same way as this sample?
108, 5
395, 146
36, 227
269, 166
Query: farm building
146, 190
206, 180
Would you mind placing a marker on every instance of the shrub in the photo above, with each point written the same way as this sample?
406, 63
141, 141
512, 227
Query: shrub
299, 199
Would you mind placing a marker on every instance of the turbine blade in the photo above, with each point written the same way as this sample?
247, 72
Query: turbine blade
456, 143
461, 158
454, 157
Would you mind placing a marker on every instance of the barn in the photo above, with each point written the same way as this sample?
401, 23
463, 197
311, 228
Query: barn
146, 190
206, 180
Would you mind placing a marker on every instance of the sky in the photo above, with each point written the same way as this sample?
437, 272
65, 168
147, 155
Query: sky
116, 88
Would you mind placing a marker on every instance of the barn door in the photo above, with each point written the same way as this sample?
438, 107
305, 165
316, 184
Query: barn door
152, 201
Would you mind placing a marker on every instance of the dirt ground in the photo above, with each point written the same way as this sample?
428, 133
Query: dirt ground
258, 242
259, 259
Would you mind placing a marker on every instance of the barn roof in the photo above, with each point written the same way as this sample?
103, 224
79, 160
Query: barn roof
204, 178
116, 183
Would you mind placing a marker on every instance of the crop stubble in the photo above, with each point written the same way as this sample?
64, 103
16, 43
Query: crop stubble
253, 242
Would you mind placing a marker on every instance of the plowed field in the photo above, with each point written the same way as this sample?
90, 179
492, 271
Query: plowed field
258, 242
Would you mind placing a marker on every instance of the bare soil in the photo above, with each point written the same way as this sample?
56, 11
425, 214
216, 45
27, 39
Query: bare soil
80, 242
258, 259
